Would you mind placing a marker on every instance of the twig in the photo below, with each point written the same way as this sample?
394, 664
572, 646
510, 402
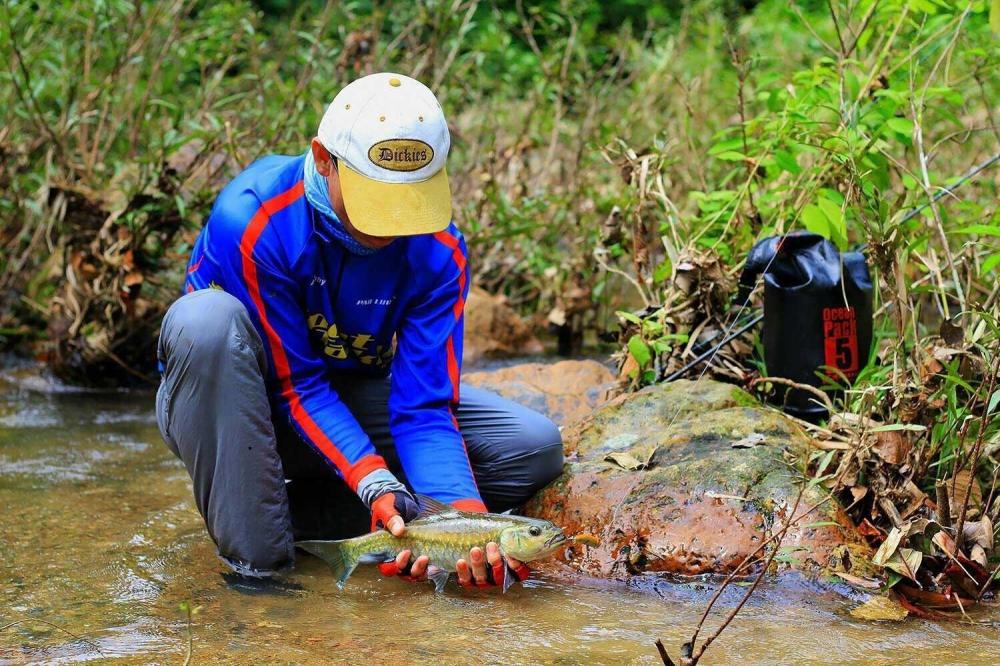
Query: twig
798, 386
781, 535
943, 504
667, 661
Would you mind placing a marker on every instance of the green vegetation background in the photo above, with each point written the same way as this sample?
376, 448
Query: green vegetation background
596, 146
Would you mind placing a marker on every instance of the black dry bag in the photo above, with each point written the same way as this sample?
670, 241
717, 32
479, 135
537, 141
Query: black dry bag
817, 313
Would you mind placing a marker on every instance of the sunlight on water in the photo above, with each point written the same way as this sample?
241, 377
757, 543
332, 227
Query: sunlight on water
99, 536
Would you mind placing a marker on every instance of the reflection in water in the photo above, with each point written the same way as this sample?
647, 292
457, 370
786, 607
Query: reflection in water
99, 535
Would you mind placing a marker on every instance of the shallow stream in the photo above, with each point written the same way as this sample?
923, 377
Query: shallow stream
100, 546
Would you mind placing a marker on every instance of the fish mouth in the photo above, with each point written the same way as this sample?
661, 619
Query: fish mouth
556, 540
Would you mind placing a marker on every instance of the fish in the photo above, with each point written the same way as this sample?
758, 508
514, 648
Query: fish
446, 535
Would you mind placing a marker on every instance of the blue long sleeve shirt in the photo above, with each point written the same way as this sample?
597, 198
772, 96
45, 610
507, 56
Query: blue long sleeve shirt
323, 311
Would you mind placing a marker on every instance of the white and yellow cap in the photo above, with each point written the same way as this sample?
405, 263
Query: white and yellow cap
391, 141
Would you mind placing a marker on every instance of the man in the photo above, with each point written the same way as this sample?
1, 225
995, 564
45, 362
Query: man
313, 365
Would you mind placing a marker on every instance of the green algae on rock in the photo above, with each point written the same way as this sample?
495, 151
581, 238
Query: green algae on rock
656, 476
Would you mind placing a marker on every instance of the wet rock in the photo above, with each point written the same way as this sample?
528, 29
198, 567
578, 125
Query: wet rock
493, 329
656, 477
565, 391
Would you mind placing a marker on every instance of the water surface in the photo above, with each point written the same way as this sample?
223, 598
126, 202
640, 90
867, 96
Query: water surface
99, 537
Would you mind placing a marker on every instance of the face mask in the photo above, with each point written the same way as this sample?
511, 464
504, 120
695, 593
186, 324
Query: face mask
329, 226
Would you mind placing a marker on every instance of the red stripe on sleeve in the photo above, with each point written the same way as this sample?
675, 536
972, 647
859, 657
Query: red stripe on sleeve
447, 239
453, 373
451, 242
282, 368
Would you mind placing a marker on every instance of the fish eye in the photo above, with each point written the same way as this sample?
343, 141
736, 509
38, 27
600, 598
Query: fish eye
534, 530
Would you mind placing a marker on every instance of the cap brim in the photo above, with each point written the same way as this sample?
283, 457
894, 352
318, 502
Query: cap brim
396, 209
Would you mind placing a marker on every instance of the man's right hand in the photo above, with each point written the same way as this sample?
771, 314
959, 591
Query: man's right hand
391, 504
393, 510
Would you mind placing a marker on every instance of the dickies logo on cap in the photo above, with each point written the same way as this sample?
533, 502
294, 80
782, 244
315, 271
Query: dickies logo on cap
401, 154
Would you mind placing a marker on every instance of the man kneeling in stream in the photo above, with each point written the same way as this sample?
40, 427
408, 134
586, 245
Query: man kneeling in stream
312, 365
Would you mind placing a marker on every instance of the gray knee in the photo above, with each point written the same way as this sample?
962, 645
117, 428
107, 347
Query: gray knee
204, 325
544, 442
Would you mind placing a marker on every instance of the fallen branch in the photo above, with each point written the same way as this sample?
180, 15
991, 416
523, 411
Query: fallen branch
824, 398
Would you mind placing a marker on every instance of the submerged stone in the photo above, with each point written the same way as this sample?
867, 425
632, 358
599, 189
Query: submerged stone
690, 478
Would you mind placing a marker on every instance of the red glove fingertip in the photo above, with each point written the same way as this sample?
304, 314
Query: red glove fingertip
499, 573
521, 573
383, 509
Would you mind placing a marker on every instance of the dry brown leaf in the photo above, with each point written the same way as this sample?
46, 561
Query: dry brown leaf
962, 483
945, 353
880, 608
750, 441
892, 446
888, 547
625, 461
979, 532
917, 498
858, 581
906, 562
944, 541
857, 493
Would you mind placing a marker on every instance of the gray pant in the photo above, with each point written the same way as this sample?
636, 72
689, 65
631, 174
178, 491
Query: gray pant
258, 485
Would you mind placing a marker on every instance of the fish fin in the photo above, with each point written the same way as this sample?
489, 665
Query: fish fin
509, 577
432, 507
439, 576
333, 553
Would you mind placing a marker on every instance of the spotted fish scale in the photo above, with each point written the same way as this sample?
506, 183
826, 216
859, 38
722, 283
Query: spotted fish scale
445, 539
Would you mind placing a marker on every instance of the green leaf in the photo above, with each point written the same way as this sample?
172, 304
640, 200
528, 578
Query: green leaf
893, 578
835, 216
990, 263
629, 317
725, 146
899, 426
663, 271
786, 162
995, 16
640, 352
994, 399
903, 126
981, 229
815, 221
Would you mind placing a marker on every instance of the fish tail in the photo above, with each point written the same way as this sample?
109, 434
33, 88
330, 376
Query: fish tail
342, 560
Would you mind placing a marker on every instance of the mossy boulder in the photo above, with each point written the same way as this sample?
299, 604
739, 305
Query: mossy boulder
690, 478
